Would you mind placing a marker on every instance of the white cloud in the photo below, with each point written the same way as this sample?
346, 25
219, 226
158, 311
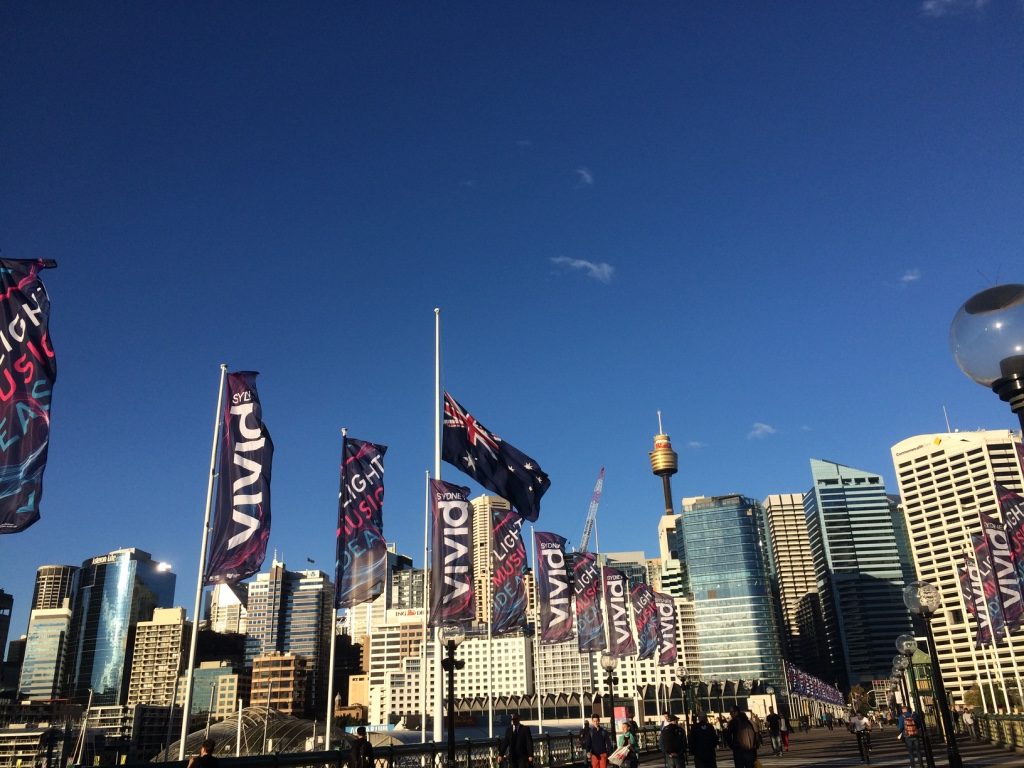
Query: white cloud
760, 430
696, 444
939, 8
585, 177
805, 428
910, 276
523, 143
600, 271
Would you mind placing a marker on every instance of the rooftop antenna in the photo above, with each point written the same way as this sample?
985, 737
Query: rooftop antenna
946, 414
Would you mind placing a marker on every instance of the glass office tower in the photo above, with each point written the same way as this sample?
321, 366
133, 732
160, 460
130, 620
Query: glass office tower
115, 592
44, 652
737, 626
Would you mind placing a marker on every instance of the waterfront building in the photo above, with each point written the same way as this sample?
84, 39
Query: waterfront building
45, 647
790, 550
279, 682
217, 687
857, 569
115, 592
159, 657
54, 585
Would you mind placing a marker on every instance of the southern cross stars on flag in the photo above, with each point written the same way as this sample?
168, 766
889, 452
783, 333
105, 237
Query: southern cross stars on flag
495, 464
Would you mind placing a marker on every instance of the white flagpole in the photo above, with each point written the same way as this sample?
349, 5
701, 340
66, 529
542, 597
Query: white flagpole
334, 628
536, 634
426, 609
490, 627
974, 651
438, 694
202, 568
992, 633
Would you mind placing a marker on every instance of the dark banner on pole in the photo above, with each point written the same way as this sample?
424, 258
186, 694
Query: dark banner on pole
241, 526
668, 653
1012, 507
586, 585
451, 561
28, 369
553, 589
361, 553
616, 597
989, 586
645, 615
967, 590
508, 562
1005, 573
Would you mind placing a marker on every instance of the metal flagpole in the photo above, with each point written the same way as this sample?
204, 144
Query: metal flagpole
438, 694
426, 609
536, 636
202, 568
490, 626
992, 636
974, 652
334, 625
238, 735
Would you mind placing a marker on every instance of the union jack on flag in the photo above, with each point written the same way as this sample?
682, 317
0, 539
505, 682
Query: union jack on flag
496, 465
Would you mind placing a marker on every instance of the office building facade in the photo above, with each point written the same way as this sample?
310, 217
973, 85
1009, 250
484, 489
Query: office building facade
45, 648
159, 657
54, 585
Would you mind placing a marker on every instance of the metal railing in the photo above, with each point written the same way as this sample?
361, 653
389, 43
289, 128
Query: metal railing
1002, 730
550, 751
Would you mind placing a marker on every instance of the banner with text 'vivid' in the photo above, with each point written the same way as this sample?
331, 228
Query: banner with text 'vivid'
508, 563
451, 561
241, 526
586, 585
1011, 505
1008, 587
28, 369
645, 615
668, 653
616, 597
984, 634
361, 553
553, 589
989, 586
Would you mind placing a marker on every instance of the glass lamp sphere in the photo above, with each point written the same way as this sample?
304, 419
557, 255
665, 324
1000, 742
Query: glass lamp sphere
922, 598
770, 691
906, 644
901, 662
608, 662
451, 633
988, 330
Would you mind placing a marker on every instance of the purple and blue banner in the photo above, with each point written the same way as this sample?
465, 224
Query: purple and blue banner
668, 653
361, 553
553, 589
1008, 587
28, 369
1011, 505
508, 563
969, 593
616, 597
452, 597
586, 585
241, 525
989, 587
645, 615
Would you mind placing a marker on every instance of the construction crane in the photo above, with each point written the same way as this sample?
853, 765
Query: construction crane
588, 526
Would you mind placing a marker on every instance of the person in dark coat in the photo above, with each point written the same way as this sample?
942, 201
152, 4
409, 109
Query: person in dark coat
672, 742
206, 758
362, 750
704, 744
597, 743
517, 744
742, 738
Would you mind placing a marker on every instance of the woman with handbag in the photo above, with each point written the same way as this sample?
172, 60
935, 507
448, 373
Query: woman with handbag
627, 742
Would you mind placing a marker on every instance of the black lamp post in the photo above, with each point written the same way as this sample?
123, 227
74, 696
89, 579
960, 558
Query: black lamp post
923, 599
608, 663
450, 637
907, 645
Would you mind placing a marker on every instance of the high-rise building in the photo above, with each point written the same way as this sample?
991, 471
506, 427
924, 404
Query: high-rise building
737, 628
858, 571
484, 508
279, 682
946, 481
290, 612
54, 584
115, 592
159, 657
227, 608
216, 684
793, 565
45, 647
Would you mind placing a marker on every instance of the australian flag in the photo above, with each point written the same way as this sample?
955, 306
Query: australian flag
495, 464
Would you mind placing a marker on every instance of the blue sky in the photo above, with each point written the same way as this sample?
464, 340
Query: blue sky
759, 218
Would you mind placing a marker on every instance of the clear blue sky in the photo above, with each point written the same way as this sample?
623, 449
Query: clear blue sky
737, 213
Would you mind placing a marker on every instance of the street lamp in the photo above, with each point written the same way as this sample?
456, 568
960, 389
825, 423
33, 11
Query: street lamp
608, 663
716, 680
907, 646
987, 342
923, 599
451, 637
770, 690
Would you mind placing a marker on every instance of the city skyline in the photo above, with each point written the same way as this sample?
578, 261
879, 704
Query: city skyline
759, 221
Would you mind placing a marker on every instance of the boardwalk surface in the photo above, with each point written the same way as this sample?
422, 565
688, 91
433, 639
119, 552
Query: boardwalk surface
834, 749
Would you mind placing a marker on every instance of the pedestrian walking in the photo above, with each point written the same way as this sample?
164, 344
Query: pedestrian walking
742, 739
672, 742
628, 739
206, 758
911, 728
704, 743
968, 720
860, 728
774, 724
785, 734
362, 750
597, 743
516, 744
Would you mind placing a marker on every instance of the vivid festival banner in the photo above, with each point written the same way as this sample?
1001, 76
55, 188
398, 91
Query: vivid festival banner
616, 597
241, 526
645, 614
967, 590
508, 563
668, 653
989, 588
361, 553
1004, 571
28, 369
451, 561
586, 585
553, 589
1012, 507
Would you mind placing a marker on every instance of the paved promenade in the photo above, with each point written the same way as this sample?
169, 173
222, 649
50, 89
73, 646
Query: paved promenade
833, 749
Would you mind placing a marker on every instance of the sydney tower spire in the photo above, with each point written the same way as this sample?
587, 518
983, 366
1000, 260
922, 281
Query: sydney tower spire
664, 463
